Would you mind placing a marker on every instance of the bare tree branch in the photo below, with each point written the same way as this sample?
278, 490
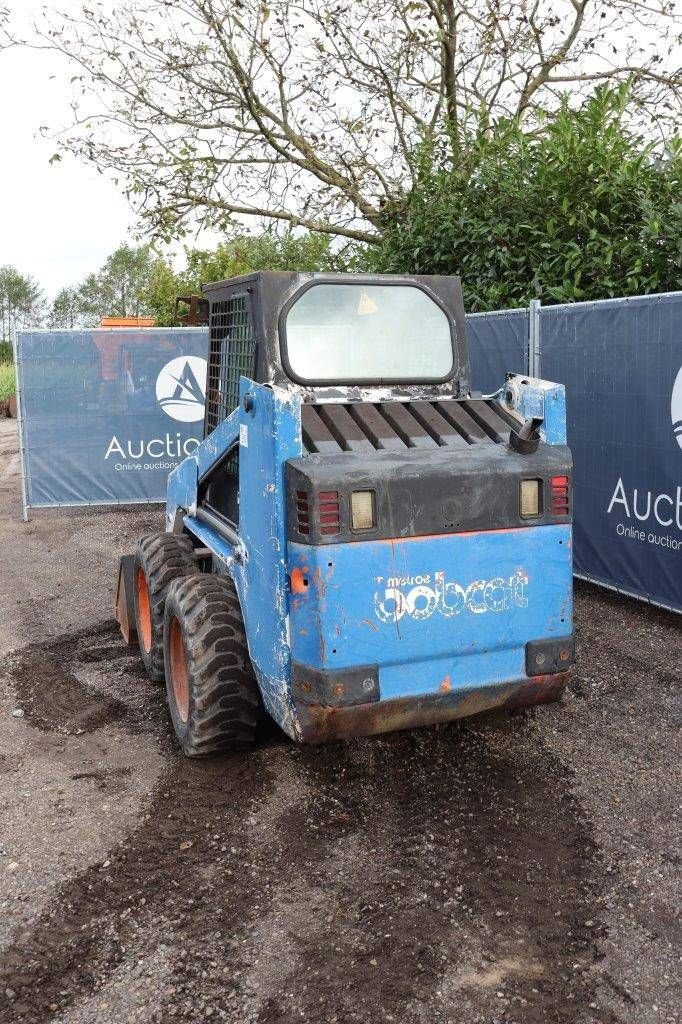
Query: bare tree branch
310, 112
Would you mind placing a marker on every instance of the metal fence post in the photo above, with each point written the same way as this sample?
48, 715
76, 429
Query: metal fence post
534, 338
18, 381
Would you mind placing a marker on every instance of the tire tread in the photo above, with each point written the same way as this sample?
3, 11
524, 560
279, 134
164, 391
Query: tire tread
164, 558
224, 695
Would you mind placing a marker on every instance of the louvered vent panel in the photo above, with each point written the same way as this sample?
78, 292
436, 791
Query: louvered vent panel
397, 426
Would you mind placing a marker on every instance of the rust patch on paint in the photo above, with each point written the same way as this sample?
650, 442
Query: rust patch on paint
322, 723
447, 536
298, 582
320, 584
538, 690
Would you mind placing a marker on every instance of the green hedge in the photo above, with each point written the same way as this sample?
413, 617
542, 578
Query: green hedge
6, 380
581, 208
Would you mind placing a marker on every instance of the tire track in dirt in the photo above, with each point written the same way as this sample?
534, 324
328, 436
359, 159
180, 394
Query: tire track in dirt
69, 686
188, 877
155, 875
425, 877
468, 853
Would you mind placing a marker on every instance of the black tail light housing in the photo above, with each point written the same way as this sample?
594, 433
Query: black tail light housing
302, 513
369, 496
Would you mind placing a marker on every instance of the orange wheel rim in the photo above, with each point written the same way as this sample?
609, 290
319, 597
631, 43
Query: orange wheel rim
178, 670
144, 610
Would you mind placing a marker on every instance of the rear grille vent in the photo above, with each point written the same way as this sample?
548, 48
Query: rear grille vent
331, 428
560, 495
302, 512
328, 512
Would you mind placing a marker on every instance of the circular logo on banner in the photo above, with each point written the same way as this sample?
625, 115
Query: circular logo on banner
676, 407
181, 388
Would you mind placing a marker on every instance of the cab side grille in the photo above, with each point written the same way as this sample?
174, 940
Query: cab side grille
231, 354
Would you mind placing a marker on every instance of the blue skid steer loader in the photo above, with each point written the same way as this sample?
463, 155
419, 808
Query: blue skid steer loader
360, 543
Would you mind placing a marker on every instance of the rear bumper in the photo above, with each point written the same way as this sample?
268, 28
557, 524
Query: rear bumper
389, 635
463, 606
319, 723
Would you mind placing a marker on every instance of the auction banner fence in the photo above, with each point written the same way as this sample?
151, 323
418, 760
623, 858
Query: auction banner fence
621, 363
104, 415
498, 344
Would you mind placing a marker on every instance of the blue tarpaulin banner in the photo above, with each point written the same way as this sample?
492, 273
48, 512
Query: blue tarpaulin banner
498, 344
106, 414
621, 363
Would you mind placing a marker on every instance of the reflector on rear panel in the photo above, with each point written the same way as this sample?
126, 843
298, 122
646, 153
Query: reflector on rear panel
530, 499
362, 510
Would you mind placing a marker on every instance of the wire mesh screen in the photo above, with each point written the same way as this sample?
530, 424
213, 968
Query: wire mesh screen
232, 353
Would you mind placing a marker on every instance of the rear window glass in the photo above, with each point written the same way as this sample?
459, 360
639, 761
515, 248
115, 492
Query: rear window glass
342, 333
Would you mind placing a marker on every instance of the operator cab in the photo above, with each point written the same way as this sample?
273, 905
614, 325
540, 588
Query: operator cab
382, 369
335, 336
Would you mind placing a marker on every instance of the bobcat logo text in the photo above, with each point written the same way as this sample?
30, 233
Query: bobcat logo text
427, 597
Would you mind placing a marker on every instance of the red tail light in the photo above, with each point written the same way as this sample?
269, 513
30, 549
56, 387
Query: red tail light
302, 512
560, 495
328, 512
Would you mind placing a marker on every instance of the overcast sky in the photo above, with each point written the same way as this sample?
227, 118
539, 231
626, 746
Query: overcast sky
57, 221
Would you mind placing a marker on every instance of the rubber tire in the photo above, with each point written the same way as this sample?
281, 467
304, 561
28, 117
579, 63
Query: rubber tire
161, 558
223, 698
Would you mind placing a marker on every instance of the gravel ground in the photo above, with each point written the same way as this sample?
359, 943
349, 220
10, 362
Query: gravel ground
501, 869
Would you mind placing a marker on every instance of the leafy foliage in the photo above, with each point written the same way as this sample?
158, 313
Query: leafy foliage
6, 380
240, 255
138, 281
305, 114
119, 288
66, 311
268, 251
21, 302
577, 210
160, 291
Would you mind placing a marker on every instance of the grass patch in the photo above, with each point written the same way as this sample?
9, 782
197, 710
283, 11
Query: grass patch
6, 380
